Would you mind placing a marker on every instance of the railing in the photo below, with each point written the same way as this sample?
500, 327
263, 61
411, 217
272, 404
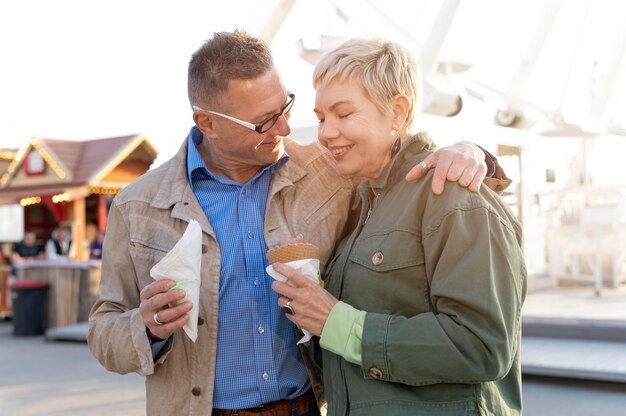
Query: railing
587, 242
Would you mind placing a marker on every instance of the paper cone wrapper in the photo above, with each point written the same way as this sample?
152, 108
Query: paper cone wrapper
303, 257
182, 264
292, 252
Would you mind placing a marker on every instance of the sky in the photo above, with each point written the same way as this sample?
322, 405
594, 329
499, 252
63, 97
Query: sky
81, 70
92, 69
87, 69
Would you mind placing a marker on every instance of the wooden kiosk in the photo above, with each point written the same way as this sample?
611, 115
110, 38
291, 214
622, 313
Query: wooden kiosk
71, 184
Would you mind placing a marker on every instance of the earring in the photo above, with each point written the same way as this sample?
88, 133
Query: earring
396, 147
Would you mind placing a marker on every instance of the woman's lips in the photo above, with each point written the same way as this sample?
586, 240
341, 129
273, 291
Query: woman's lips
341, 151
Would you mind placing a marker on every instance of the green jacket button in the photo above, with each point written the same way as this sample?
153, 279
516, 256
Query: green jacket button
377, 258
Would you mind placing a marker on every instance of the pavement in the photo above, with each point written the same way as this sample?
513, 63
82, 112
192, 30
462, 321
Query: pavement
40, 377
571, 332
567, 332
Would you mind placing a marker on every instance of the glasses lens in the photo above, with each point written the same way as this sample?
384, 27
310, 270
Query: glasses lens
270, 123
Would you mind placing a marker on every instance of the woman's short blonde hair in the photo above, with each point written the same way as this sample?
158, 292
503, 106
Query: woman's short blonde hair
384, 69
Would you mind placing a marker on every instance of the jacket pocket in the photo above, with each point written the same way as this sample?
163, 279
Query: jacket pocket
388, 251
145, 255
138, 244
386, 274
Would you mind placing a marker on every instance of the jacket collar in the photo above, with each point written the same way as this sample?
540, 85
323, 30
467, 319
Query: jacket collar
288, 174
176, 190
413, 146
175, 187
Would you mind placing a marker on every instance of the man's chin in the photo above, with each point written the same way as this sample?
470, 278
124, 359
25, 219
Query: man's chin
278, 150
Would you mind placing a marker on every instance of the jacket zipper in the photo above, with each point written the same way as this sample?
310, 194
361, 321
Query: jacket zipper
372, 205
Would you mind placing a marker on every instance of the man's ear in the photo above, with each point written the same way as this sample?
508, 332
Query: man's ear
204, 122
400, 108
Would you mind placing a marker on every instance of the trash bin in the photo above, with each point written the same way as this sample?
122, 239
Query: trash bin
28, 298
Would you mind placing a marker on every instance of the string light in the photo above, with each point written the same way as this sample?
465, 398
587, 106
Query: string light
20, 154
51, 162
12, 165
61, 198
7, 154
102, 190
31, 200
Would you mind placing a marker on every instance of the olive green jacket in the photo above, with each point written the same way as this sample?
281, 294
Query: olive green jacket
443, 280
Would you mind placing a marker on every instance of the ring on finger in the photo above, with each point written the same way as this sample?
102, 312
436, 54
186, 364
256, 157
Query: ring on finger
156, 319
288, 309
424, 165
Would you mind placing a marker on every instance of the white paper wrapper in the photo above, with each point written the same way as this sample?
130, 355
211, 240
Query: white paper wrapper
309, 268
182, 264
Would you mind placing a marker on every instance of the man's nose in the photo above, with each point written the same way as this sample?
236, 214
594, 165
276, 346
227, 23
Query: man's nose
282, 127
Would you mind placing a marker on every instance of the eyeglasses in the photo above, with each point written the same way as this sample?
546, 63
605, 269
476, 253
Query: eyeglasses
259, 128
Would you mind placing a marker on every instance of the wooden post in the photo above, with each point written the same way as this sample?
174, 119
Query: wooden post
78, 228
102, 212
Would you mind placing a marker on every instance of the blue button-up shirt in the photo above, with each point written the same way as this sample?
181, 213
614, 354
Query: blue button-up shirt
258, 360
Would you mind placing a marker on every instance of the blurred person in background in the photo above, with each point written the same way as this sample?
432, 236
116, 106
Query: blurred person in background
27, 248
59, 245
95, 251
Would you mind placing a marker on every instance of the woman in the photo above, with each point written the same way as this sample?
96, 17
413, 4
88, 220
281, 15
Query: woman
422, 310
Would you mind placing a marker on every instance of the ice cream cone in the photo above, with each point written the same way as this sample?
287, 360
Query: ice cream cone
292, 252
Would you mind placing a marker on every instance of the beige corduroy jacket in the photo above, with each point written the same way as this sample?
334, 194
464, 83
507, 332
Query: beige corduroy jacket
147, 219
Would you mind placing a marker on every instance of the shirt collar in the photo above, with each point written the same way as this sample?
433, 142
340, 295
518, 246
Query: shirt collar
195, 162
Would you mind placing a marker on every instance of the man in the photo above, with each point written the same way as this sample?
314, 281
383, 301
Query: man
249, 188
27, 248
59, 244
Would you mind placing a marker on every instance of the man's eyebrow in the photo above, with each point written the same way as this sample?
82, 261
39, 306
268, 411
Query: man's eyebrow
268, 114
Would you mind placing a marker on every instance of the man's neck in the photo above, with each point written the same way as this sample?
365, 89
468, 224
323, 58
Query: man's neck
226, 168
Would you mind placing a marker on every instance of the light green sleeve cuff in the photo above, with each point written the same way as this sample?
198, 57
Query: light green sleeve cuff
343, 331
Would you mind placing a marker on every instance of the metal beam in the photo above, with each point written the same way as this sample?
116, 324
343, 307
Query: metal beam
276, 20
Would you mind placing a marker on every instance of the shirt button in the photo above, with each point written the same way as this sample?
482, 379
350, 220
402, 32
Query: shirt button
243, 192
265, 376
196, 391
250, 235
261, 329
257, 283
376, 373
377, 258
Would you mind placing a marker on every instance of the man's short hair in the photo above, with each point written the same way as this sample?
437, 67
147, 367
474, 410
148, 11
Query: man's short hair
224, 57
383, 69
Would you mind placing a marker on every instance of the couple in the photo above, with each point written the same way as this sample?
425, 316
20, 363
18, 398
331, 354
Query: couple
422, 313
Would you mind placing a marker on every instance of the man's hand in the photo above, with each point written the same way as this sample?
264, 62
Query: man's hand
155, 301
463, 162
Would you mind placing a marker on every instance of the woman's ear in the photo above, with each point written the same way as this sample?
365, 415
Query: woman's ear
400, 109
